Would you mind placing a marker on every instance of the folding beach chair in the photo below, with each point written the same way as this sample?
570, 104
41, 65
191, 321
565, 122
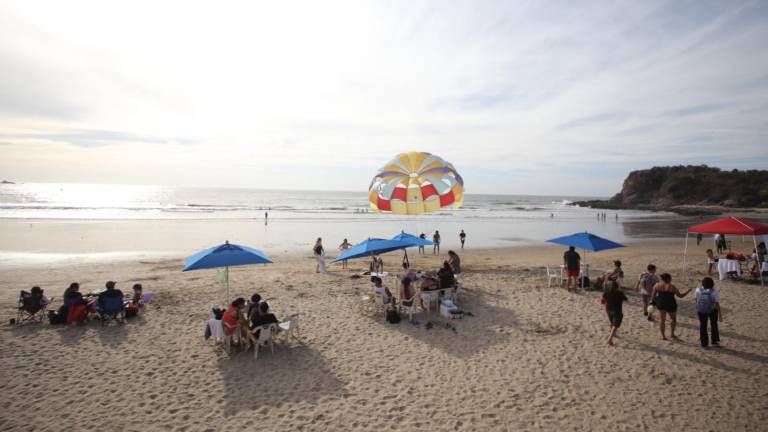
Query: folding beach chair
31, 307
112, 309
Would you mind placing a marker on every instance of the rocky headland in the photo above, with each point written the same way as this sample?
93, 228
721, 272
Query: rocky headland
690, 190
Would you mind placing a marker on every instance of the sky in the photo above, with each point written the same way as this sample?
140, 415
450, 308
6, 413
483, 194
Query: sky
523, 97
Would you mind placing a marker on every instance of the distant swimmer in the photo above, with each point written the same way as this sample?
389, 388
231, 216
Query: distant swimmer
551, 215
463, 238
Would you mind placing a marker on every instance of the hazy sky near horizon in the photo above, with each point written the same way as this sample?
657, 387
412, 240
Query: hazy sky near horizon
522, 96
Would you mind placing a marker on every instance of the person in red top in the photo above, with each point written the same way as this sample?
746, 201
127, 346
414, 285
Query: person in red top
232, 316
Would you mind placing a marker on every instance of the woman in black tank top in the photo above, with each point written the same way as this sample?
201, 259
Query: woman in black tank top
663, 296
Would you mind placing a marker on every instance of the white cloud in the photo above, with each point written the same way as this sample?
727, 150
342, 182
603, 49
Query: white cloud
516, 96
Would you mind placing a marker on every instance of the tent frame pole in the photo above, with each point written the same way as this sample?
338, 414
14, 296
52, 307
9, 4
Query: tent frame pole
685, 256
757, 260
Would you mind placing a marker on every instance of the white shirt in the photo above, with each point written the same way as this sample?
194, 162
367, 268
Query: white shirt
382, 292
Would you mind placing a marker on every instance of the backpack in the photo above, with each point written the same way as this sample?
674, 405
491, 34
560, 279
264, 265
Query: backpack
647, 283
583, 282
54, 318
393, 316
705, 304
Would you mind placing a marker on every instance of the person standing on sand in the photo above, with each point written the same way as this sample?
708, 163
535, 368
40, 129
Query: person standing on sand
319, 256
436, 241
572, 264
644, 286
613, 298
708, 309
462, 238
663, 296
711, 260
421, 247
343, 247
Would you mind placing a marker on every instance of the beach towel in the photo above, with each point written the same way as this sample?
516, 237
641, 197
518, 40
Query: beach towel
215, 329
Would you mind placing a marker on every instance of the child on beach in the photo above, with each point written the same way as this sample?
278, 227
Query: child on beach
663, 296
711, 260
708, 309
644, 286
421, 248
614, 299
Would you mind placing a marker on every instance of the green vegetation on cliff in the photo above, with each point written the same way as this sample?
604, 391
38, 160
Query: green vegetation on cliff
669, 188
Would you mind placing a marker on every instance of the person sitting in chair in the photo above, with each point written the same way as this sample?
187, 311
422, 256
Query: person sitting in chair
429, 282
253, 307
263, 317
110, 292
445, 275
407, 293
380, 289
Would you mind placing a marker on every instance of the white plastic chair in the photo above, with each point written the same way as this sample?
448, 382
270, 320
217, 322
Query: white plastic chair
409, 309
290, 327
266, 335
554, 274
427, 297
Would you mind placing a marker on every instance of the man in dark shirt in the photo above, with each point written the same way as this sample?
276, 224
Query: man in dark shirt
263, 317
613, 298
572, 263
110, 292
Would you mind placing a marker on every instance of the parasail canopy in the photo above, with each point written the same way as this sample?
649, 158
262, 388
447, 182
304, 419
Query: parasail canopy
416, 183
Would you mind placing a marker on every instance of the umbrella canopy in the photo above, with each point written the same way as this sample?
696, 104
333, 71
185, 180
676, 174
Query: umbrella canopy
225, 255
586, 241
412, 239
730, 225
372, 246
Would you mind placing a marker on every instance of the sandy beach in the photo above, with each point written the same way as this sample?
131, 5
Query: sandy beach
531, 357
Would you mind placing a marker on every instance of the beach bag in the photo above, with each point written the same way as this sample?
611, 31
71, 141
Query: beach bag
131, 310
393, 316
705, 304
584, 282
54, 318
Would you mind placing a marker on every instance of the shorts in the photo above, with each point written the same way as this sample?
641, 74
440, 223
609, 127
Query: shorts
615, 318
646, 300
572, 273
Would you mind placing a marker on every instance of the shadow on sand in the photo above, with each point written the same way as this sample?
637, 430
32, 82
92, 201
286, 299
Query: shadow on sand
701, 359
489, 325
296, 373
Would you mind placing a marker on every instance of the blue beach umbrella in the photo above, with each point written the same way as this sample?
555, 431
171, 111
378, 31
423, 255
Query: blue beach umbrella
410, 238
413, 240
372, 246
586, 241
226, 255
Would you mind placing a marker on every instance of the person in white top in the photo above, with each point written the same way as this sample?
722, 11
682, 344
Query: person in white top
708, 309
379, 289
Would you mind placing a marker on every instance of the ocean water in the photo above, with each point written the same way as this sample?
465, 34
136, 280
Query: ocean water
61, 223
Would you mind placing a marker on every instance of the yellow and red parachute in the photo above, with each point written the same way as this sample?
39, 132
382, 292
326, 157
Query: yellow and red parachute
416, 183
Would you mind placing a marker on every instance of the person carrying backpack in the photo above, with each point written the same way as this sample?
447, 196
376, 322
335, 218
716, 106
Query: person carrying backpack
708, 309
644, 285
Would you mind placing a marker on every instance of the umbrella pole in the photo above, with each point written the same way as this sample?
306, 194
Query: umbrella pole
227, 270
409, 264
